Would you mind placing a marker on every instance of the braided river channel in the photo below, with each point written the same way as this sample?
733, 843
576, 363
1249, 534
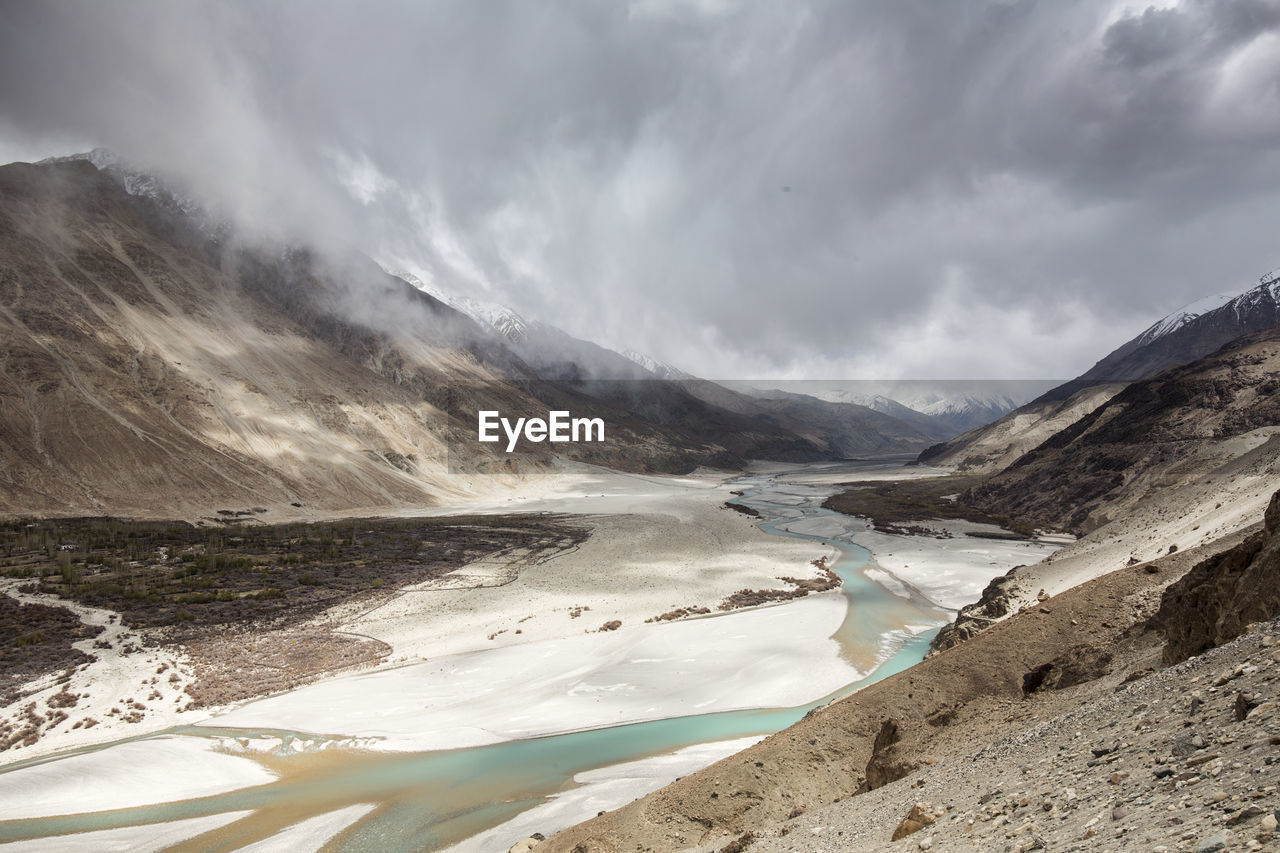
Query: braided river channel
373, 800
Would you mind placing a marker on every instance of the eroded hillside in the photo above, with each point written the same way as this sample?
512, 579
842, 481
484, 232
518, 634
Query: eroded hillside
151, 369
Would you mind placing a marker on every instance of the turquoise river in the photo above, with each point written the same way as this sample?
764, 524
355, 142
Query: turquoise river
430, 800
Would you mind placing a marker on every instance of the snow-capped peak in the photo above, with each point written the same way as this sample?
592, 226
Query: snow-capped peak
658, 368
1268, 287
878, 402
490, 315
1185, 315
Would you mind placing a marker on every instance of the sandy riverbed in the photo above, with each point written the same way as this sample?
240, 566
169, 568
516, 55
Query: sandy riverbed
657, 543
467, 677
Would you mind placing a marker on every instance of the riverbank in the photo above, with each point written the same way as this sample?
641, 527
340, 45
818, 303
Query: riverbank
515, 648
948, 560
508, 653
942, 710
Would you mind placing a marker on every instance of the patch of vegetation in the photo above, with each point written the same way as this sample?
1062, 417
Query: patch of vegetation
892, 505
172, 574
745, 510
827, 579
36, 639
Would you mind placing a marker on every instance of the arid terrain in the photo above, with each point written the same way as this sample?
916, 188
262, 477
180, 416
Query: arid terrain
241, 496
1062, 727
1166, 482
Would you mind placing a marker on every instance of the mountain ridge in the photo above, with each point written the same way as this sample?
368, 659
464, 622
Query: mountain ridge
1178, 338
153, 367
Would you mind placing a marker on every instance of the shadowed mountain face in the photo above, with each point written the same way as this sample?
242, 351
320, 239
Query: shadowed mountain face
1180, 338
150, 367
766, 425
1185, 424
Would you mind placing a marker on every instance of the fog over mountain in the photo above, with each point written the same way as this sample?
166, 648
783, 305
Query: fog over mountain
800, 190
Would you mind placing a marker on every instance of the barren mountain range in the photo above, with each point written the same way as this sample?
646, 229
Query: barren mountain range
152, 365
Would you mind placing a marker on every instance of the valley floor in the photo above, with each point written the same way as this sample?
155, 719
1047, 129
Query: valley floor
1055, 729
516, 645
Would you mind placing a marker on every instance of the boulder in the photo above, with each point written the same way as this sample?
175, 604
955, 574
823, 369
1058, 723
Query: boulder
917, 819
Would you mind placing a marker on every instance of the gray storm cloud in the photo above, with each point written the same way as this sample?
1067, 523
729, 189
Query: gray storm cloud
803, 189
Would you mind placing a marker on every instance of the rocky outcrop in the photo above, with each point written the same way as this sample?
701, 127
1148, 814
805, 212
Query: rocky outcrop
917, 819
528, 844
1219, 597
997, 600
1075, 666
887, 764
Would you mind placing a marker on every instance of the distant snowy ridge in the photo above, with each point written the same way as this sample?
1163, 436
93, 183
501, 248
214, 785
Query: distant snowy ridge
936, 402
661, 369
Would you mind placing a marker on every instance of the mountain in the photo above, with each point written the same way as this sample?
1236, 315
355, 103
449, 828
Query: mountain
993, 447
1187, 334
1169, 464
552, 352
846, 430
140, 183
926, 423
660, 369
1180, 427
150, 364
964, 411
499, 319
779, 426
1191, 332
147, 368
941, 409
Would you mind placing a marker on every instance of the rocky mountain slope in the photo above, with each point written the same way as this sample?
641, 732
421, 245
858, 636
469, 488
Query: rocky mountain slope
155, 363
148, 368
1190, 333
1183, 759
1155, 436
1221, 596
1168, 464
995, 446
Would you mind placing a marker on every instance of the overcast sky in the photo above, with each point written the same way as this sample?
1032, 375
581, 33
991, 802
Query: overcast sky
814, 189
